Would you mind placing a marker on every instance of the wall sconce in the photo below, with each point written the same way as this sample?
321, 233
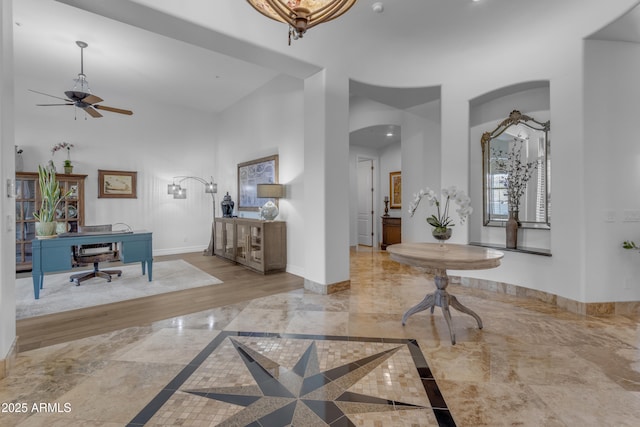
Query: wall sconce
269, 210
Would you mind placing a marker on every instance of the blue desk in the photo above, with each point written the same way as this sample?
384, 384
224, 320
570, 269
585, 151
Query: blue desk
56, 254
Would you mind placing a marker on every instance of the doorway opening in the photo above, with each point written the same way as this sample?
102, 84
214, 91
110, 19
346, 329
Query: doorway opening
365, 202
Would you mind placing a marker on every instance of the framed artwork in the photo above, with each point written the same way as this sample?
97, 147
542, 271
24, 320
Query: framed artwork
250, 174
116, 184
395, 190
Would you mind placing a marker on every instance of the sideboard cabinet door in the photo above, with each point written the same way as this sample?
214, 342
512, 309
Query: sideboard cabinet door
257, 244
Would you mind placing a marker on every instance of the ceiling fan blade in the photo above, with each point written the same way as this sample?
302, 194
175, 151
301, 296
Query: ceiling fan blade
53, 96
92, 99
93, 113
113, 110
50, 105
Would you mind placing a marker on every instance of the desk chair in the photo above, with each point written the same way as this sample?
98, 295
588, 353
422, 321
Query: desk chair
95, 253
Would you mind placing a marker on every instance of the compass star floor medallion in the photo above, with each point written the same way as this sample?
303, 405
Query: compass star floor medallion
261, 379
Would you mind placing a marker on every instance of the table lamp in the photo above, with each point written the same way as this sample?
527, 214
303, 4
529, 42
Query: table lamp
269, 210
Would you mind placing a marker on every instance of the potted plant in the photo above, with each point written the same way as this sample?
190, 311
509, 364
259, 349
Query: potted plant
68, 167
517, 174
442, 222
51, 195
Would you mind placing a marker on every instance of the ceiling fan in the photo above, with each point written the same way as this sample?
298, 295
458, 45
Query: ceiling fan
80, 96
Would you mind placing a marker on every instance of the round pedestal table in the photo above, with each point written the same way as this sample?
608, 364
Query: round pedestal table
439, 258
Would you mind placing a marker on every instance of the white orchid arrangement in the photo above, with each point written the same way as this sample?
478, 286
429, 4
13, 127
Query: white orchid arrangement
441, 219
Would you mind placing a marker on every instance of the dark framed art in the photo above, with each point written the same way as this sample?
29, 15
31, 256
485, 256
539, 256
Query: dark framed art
117, 184
395, 190
252, 173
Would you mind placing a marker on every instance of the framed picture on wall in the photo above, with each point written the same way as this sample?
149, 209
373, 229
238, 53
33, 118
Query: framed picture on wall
252, 173
117, 184
395, 190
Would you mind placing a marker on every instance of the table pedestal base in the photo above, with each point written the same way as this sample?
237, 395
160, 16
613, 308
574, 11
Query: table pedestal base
441, 298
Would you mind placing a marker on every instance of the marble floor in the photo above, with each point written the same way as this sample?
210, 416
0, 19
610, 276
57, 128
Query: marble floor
343, 360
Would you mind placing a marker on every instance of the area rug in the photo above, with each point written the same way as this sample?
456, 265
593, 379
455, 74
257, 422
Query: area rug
58, 294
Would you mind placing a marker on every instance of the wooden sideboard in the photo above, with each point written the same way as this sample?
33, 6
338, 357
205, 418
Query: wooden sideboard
257, 244
391, 231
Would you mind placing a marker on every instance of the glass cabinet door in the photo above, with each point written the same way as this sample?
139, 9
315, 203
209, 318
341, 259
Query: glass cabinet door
230, 236
255, 244
242, 243
225, 236
25, 223
218, 245
249, 241
69, 210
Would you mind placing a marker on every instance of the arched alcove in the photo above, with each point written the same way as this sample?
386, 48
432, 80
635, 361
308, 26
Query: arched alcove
486, 112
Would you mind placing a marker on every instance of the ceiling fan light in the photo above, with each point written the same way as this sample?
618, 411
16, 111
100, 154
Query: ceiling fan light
81, 84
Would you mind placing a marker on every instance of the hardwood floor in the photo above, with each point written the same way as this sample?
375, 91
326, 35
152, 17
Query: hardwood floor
240, 284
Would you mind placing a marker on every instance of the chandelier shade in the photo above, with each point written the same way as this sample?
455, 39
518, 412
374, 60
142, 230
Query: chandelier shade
302, 14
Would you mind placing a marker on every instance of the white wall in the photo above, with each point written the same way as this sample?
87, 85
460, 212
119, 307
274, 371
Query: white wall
563, 274
421, 168
157, 141
7, 235
612, 169
554, 54
269, 121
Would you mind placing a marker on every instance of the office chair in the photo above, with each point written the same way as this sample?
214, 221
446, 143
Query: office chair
95, 254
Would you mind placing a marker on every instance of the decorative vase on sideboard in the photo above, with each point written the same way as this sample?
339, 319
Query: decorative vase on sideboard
227, 206
513, 223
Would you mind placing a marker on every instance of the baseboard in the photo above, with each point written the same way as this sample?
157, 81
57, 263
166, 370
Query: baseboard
177, 251
625, 308
7, 363
330, 288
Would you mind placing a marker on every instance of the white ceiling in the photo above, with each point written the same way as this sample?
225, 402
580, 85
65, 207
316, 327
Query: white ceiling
124, 61
207, 55
626, 28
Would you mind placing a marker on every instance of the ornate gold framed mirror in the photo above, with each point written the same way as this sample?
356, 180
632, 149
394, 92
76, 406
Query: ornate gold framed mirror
518, 142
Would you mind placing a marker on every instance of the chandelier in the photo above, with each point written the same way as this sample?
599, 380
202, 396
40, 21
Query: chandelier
301, 14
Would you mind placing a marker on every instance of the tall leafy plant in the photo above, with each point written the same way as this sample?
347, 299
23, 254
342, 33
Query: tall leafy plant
50, 193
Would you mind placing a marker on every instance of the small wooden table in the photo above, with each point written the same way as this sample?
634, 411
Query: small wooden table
440, 257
